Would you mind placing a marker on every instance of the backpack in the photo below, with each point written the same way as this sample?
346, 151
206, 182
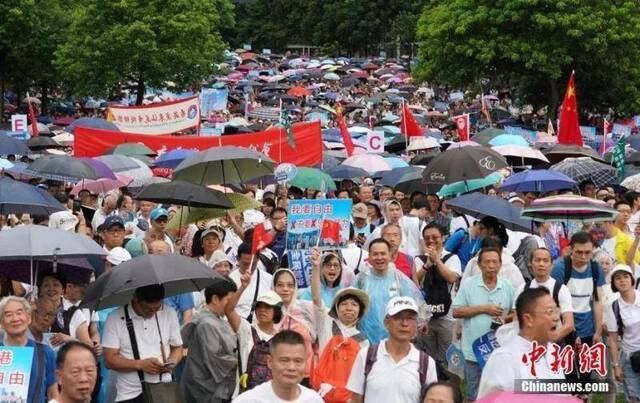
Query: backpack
257, 369
436, 290
567, 275
270, 261
556, 290
66, 321
522, 256
616, 313
372, 357
334, 366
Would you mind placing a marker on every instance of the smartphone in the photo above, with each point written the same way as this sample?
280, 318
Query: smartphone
76, 206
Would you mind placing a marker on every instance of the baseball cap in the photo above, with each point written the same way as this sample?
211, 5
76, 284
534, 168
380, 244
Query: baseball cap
360, 211
213, 230
118, 255
64, 220
111, 221
158, 212
399, 304
270, 298
621, 268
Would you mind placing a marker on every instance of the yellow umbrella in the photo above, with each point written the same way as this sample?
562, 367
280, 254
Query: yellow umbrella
187, 215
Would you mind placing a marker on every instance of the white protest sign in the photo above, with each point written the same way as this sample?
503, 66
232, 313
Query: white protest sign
18, 123
285, 173
375, 142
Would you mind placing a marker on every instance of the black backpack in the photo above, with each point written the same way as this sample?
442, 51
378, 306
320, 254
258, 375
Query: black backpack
436, 290
66, 319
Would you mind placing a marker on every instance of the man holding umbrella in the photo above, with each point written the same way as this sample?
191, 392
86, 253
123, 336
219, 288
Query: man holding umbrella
153, 348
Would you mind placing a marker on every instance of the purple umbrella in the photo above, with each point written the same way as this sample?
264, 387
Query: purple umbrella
100, 167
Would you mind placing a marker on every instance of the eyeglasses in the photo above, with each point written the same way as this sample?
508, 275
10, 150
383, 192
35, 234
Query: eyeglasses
332, 265
549, 311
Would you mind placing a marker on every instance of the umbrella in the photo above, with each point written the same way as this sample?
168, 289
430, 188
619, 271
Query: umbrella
584, 168
508, 140
422, 143
559, 152
520, 152
510, 397
42, 128
184, 194
99, 186
117, 163
116, 287
42, 143
478, 205
331, 77
94, 123
74, 270
311, 178
188, 215
223, 165
10, 145
17, 197
139, 171
37, 242
65, 139
64, 121
463, 164
569, 207
397, 144
100, 167
299, 92
5, 164
538, 180
396, 162
173, 158
632, 182
466, 143
486, 135
369, 162
131, 149
346, 172
62, 168
137, 184
469, 186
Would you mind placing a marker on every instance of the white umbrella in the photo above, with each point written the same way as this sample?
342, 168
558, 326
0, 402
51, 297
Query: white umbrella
42, 128
632, 182
369, 162
331, 77
141, 172
423, 143
520, 151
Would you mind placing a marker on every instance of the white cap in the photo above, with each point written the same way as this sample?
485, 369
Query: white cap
621, 268
399, 304
64, 220
118, 255
218, 257
270, 298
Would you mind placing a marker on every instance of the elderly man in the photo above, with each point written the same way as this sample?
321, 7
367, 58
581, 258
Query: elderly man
15, 318
77, 372
108, 208
411, 228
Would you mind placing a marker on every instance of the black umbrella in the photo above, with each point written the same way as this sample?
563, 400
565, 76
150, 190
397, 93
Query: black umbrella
463, 163
559, 152
17, 197
422, 159
178, 274
346, 172
74, 270
397, 144
184, 194
62, 168
479, 205
42, 143
9, 145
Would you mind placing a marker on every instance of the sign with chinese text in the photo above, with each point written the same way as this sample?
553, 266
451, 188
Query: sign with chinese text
161, 118
483, 346
322, 223
590, 358
213, 100
285, 173
300, 264
588, 135
620, 131
15, 372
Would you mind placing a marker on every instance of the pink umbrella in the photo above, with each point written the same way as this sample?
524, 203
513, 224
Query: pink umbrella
510, 397
369, 162
101, 185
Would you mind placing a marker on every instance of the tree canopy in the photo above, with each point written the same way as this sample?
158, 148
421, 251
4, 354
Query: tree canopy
532, 46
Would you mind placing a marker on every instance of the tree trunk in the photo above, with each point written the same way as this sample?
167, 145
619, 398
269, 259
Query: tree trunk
140, 94
554, 97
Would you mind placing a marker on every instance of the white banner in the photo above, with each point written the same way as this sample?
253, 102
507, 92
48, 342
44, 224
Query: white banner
18, 123
375, 142
163, 118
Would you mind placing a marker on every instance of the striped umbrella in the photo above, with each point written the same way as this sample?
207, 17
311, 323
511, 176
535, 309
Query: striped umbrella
569, 207
585, 168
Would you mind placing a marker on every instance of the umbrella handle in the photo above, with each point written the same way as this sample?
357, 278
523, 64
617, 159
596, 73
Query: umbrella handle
55, 260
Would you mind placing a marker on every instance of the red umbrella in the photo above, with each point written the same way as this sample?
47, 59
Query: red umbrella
359, 75
243, 67
370, 66
247, 55
299, 92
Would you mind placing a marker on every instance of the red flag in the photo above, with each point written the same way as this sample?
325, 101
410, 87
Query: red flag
261, 238
462, 126
330, 230
569, 128
346, 136
607, 129
408, 125
32, 118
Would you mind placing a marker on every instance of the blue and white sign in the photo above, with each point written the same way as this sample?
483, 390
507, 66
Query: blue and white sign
483, 346
285, 173
15, 372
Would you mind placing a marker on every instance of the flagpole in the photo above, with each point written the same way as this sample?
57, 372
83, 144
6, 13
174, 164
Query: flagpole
280, 131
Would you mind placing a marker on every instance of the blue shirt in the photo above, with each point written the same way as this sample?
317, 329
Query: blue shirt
49, 375
180, 303
462, 245
581, 288
474, 292
279, 244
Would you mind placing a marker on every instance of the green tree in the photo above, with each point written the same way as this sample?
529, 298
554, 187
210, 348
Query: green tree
149, 43
533, 45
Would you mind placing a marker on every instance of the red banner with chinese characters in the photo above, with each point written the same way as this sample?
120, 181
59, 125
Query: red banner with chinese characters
94, 142
156, 119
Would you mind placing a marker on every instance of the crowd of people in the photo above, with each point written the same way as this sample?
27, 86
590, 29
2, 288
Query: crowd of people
417, 283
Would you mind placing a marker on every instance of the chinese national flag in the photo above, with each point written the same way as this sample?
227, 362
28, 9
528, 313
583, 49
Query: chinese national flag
569, 128
32, 118
330, 230
261, 238
607, 129
346, 136
462, 126
408, 125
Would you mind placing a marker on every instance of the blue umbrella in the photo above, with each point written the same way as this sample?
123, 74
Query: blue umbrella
538, 180
45, 119
9, 145
173, 158
94, 123
346, 172
397, 175
479, 205
17, 197
332, 135
509, 140
396, 162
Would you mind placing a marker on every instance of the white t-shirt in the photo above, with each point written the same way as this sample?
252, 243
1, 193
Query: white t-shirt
411, 235
264, 394
564, 295
116, 336
355, 257
79, 317
390, 381
630, 314
453, 264
246, 299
